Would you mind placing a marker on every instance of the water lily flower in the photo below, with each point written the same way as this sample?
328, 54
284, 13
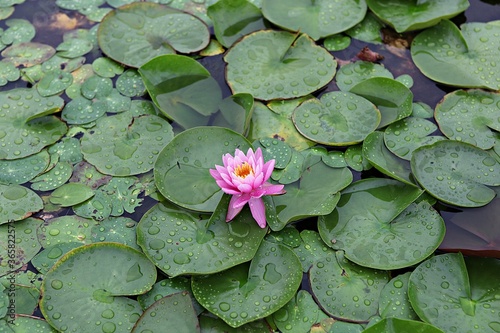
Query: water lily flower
245, 178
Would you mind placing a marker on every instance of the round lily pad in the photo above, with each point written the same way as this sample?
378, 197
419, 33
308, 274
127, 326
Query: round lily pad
8, 73
191, 243
121, 145
46, 258
394, 301
251, 290
182, 168
345, 290
397, 325
130, 83
463, 58
470, 116
66, 288
116, 229
80, 111
311, 248
136, 33
19, 31
300, 314
318, 19
70, 194
17, 203
405, 16
28, 54
24, 169
353, 73
457, 289
64, 229
456, 172
106, 67
273, 64
53, 178
26, 126
54, 83
337, 119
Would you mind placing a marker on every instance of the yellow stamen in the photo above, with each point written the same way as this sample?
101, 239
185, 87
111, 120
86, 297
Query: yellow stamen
243, 170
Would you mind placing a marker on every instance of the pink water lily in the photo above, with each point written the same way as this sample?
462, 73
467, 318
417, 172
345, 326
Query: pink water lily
245, 178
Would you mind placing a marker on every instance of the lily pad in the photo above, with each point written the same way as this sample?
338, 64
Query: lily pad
181, 170
65, 229
136, 33
26, 126
177, 311
318, 19
251, 290
106, 67
311, 249
404, 16
368, 30
70, 194
18, 203
355, 72
466, 58
116, 229
28, 54
182, 89
337, 119
212, 324
53, 177
276, 64
235, 112
394, 301
396, 325
65, 288
470, 116
377, 225
54, 83
8, 73
457, 289
80, 111
19, 31
298, 315
24, 169
133, 147
45, 259
392, 98
345, 290
130, 84
191, 243
456, 172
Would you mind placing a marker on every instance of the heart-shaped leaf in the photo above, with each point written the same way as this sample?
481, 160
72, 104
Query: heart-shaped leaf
253, 290
297, 315
17, 203
394, 301
24, 169
396, 325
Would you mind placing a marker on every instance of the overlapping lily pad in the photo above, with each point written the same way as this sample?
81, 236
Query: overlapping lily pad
396, 325
182, 168
318, 19
17, 203
276, 65
136, 33
28, 54
251, 290
456, 172
180, 242
66, 288
462, 58
134, 145
337, 119
27, 125
24, 169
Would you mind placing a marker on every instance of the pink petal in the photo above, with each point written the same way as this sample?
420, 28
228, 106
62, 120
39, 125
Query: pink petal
238, 201
227, 189
259, 179
267, 169
258, 211
245, 188
232, 211
215, 174
272, 189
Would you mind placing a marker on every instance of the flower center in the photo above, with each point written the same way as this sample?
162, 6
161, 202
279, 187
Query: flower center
243, 170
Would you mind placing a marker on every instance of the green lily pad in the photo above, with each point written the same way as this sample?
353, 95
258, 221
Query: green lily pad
28, 54
70, 194
64, 229
235, 113
45, 259
377, 154
251, 290
377, 226
96, 87
68, 150
53, 177
368, 30
126, 152
8, 73
81, 111
275, 149
234, 19
298, 315
337, 119
182, 89
211, 324
116, 102
106, 67
74, 47
195, 244
311, 249
404, 16
394, 301
345, 290
318, 19
337, 42
54, 83
71, 5
334, 159
136, 33
456, 172
182, 168
466, 58
65, 288
276, 64
177, 311
87, 174
392, 98
18, 245
308, 196
25, 323
396, 325
19, 31
116, 229
26, 126
355, 159
408, 134
353, 73
130, 84
17, 203
470, 116
24, 169
456, 290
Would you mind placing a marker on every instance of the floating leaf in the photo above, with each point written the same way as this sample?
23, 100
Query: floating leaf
394, 301
46, 258
318, 19
311, 249
353, 73
19, 31
368, 30
54, 83
456, 172
28, 54
396, 325
297, 315
404, 16
130, 84
136, 33
81, 111
337, 119
337, 42
66, 288
65, 229
106, 67
53, 178
8, 73
466, 58
24, 169
17, 203
470, 116
251, 290
116, 229
276, 64
70, 194
235, 113
133, 147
